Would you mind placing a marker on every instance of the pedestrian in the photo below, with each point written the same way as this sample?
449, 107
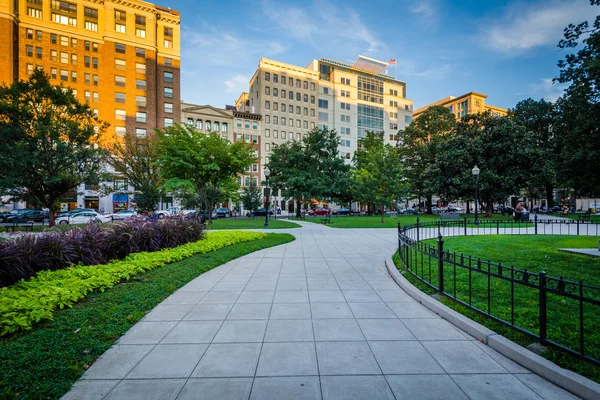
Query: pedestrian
518, 211
565, 209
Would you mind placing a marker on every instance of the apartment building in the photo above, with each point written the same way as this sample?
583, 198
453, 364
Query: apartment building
120, 56
469, 103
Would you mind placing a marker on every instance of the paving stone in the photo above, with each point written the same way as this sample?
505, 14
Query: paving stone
144, 389
386, 283
411, 310
494, 387
289, 330
545, 389
323, 285
117, 361
260, 286
330, 310
290, 311
90, 389
169, 361
361, 296
404, 357
256, 297
384, 329
287, 359
209, 312
185, 297
228, 297
355, 388
346, 358
241, 331
508, 364
326, 296
395, 296
216, 389
228, 360
291, 277
250, 311
192, 332
425, 387
462, 357
291, 296
292, 285
165, 312
199, 284
147, 332
371, 310
229, 286
337, 330
288, 388
359, 284
433, 329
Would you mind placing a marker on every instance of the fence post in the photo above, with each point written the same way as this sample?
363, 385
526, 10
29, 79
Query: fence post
465, 226
535, 222
440, 263
399, 241
417, 229
543, 307
498, 227
577, 227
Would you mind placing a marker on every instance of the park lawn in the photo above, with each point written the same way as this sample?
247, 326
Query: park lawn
45, 362
575, 216
249, 223
343, 221
534, 253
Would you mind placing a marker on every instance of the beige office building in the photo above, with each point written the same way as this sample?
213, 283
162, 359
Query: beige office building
469, 103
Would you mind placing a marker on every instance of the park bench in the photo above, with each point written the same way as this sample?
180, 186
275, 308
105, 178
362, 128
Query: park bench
585, 216
326, 220
449, 216
18, 223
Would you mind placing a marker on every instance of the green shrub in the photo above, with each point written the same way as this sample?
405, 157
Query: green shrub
28, 302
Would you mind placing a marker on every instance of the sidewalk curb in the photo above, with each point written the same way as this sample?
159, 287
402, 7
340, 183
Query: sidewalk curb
568, 380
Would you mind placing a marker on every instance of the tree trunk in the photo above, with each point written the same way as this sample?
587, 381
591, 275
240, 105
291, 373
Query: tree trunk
468, 207
489, 209
298, 211
382, 211
549, 195
428, 199
210, 205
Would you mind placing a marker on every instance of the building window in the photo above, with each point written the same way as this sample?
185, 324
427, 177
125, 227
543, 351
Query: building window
29, 51
323, 116
275, 120
298, 83
95, 63
120, 64
91, 26
64, 20
120, 20
216, 127
140, 84
298, 110
168, 77
238, 123
345, 106
29, 69
267, 76
95, 78
120, 131
120, 115
207, 125
267, 133
87, 79
73, 59
168, 62
87, 95
120, 97
86, 61
73, 76
29, 33
298, 95
312, 112
169, 108
140, 117
275, 92
140, 68
94, 47
323, 103
168, 44
140, 28
247, 124
345, 81
407, 119
119, 48
275, 78
199, 124
224, 127
95, 97
119, 80
34, 12
53, 55
140, 101
275, 106
267, 90
140, 52
283, 121
254, 125
53, 73
267, 105
393, 104
168, 92
140, 132
276, 134
38, 52
86, 43
64, 57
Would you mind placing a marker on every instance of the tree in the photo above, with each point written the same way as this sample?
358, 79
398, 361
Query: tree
49, 141
540, 120
377, 176
502, 149
208, 161
135, 159
418, 148
310, 168
579, 125
251, 196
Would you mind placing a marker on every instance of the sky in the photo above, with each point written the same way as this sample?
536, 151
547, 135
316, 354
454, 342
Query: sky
504, 49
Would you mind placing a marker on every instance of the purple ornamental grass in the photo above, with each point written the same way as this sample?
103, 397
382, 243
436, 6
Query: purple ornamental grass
23, 257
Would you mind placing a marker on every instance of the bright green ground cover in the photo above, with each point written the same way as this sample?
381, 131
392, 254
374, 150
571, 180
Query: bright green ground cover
343, 221
44, 363
533, 253
249, 223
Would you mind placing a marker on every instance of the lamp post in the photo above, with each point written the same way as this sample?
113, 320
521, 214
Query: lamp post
475, 172
267, 173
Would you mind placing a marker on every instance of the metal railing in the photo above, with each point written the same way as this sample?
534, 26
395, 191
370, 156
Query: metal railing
557, 312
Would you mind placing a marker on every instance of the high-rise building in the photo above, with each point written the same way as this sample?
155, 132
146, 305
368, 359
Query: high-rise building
469, 103
120, 56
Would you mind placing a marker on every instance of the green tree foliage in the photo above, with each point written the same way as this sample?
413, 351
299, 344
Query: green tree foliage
502, 149
540, 119
310, 168
208, 161
135, 159
376, 175
418, 148
49, 141
251, 196
579, 129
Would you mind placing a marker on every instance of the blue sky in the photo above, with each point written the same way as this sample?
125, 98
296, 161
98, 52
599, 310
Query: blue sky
505, 49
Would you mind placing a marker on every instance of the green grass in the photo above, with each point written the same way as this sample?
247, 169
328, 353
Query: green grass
249, 223
533, 253
44, 363
390, 222
575, 216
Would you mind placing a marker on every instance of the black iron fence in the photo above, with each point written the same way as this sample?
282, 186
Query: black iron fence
557, 312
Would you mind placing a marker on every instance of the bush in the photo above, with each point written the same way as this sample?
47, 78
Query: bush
24, 257
27, 302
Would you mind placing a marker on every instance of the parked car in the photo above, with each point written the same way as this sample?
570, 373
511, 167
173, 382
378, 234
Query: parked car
504, 210
222, 212
74, 211
453, 209
261, 212
407, 211
123, 214
172, 211
343, 211
319, 211
11, 214
85, 217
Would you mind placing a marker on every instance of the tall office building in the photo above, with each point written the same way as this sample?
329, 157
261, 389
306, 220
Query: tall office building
120, 56
469, 103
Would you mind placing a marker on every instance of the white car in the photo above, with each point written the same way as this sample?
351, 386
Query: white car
123, 214
172, 211
85, 217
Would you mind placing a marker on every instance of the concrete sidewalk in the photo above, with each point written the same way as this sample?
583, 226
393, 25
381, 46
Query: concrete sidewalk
318, 318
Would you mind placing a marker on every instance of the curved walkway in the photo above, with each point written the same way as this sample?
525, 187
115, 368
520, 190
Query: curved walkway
318, 318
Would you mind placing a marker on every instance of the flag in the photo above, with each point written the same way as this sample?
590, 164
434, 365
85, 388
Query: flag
392, 61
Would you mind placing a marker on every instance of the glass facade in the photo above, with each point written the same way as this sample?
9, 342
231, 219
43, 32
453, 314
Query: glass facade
370, 90
370, 118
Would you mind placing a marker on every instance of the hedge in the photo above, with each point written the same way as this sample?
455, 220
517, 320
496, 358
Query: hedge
28, 302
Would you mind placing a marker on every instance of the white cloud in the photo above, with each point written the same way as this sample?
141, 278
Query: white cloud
237, 84
424, 9
547, 90
525, 26
324, 26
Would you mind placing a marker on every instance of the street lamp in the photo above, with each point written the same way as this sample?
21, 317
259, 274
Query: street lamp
267, 173
475, 172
